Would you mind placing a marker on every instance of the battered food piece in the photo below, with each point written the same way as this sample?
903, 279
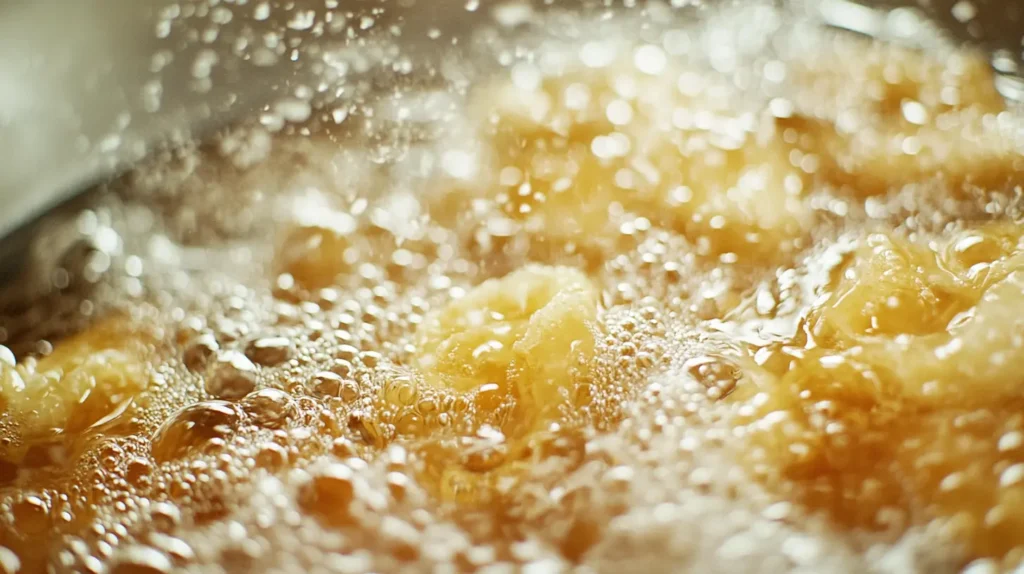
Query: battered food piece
659, 311
898, 387
85, 382
576, 148
530, 334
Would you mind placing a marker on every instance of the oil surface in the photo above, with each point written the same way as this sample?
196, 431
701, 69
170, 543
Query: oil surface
660, 305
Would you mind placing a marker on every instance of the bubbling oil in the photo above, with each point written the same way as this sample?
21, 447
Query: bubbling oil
637, 319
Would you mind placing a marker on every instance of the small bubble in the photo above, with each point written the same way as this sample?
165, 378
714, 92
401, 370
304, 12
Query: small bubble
164, 516
261, 11
342, 447
513, 14
914, 112
271, 456
330, 494
458, 164
192, 428
269, 408
203, 65
137, 559
346, 353
964, 11
619, 112
269, 351
370, 358
7, 357
293, 110
176, 548
327, 384
233, 376
597, 54
650, 59
302, 19
9, 561
198, 352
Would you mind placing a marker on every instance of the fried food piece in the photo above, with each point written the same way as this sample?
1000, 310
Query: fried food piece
531, 333
875, 78
933, 319
821, 435
960, 152
84, 380
896, 397
886, 116
314, 255
584, 146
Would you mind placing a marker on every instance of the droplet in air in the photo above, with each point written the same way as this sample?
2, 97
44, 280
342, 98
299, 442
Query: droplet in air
302, 19
964, 11
650, 59
261, 11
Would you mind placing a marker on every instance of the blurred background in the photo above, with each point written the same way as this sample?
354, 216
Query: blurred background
88, 86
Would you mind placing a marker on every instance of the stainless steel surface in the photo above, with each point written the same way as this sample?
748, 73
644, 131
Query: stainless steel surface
77, 96
86, 87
